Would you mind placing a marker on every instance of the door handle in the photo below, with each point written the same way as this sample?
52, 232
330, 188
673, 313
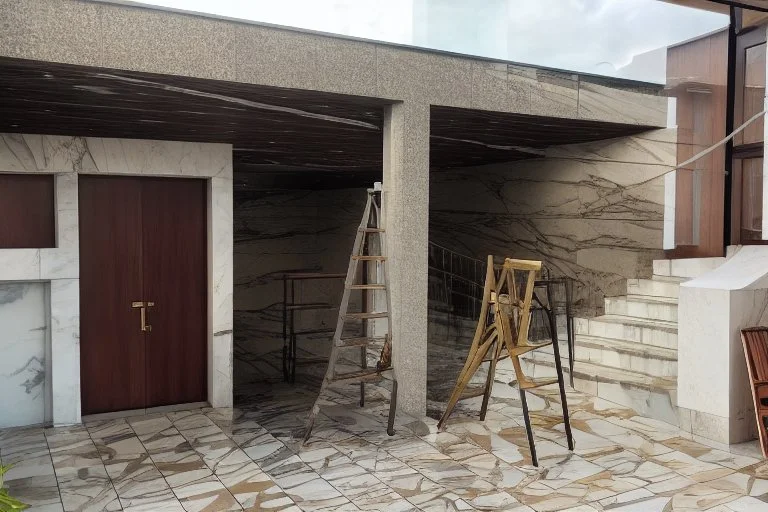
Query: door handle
145, 327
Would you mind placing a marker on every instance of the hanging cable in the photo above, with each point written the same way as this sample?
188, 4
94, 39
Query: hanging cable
707, 151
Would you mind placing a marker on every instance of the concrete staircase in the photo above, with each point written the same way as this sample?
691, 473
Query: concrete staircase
629, 355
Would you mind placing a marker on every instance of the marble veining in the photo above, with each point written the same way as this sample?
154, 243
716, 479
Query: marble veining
288, 231
249, 458
593, 211
66, 157
23, 367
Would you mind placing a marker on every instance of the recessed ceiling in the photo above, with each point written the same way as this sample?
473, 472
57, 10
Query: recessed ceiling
276, 133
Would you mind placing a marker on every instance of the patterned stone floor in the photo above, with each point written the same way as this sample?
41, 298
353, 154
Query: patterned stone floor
247, 458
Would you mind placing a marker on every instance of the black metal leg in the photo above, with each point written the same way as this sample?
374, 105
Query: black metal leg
285, 329
285, 362
561, 383
569, 328
528, 429
362, 394
392, 409
489, 380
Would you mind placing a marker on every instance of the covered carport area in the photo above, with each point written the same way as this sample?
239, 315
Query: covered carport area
301, 162
312, 120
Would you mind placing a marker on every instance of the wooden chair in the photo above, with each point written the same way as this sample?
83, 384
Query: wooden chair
755, 341
503, 327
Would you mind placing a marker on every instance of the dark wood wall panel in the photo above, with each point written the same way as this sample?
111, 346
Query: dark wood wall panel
696, 76
27, 211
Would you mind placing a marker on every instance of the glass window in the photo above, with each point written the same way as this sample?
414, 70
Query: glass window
754, 91
751, 199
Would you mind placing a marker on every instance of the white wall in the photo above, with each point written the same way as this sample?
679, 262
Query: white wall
714, 396
66, 157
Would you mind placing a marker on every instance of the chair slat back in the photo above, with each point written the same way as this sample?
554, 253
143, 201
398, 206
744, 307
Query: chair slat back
756, 344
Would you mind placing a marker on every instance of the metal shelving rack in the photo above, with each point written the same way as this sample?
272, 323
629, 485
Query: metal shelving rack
290, 307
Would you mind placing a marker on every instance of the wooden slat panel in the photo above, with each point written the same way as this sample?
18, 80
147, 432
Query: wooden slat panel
27, 217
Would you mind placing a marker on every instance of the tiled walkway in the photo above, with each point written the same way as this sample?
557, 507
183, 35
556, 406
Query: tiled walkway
214, 459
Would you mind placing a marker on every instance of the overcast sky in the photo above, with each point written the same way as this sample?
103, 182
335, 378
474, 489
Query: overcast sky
595, 36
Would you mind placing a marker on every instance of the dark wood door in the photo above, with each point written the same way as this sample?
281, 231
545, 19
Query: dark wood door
142, 240
174, 255
112, 364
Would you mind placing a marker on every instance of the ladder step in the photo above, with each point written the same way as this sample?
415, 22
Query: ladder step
371, 286
371, 230
472, 393
369, 258
366, 375
538, 382
365, 316
359, 342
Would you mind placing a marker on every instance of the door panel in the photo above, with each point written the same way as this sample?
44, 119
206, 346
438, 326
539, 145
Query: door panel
175, 263
112, 365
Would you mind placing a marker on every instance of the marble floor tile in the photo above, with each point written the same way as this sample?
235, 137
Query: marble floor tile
36, 491
207, 494
87, 488
249, 457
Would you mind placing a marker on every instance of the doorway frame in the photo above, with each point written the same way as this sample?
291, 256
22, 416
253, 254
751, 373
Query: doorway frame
66, 157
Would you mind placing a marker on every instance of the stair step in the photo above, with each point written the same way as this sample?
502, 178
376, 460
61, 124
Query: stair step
359, 342
686, 267
659, 333
653, 288
669, 279
653, 397
638, 306
371, 286
365, 316
369, 257
626, 355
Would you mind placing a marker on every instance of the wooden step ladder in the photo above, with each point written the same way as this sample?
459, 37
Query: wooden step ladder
502, 331
370, 226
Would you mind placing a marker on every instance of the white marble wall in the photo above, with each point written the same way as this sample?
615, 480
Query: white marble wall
714, 396
24, 365
593, 211
279, 231
66, 157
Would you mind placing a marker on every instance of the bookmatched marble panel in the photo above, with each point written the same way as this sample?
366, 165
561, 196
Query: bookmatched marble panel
288, 231
24, 375
593, 211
